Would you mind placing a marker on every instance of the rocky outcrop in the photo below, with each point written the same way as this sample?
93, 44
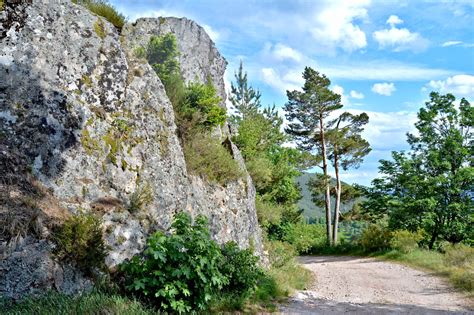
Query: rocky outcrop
92, 123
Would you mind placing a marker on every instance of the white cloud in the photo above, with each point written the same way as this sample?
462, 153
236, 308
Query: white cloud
335, 26
280, 83
382, 70
451, 43
356, 95
384, 88
399, 39
461, 85
340, 90
281, 52
394, 20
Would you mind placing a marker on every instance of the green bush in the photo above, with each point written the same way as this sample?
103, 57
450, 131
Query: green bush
208, 158
405, 241
162, 54
280, 253
241, 269
104, 9
268, 213
375, 238
79, 241
178, 272
202, 98
305, 237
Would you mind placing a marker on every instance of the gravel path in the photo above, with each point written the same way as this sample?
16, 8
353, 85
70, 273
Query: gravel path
354, 285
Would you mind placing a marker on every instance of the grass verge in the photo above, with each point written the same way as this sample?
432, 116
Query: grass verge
60, 304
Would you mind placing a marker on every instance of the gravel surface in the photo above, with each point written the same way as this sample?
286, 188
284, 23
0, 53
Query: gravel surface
354, 285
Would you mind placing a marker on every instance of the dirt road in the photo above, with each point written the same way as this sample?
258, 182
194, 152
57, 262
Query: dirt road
354, 285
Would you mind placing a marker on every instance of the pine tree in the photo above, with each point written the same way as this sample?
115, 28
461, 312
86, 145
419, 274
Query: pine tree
347, 149
307, 112
245, 98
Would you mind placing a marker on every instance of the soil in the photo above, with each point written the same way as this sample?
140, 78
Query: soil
354, 285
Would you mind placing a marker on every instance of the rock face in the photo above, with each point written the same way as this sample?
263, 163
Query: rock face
92, 123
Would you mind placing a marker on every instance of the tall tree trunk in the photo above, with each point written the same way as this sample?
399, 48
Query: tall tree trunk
338, 198
327, 199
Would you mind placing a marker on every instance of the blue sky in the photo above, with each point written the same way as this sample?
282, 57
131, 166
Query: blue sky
383, 57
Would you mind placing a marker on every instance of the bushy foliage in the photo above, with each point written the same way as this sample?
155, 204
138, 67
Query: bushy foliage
305, 237
429, 187
280, 253
105, 9
79, 241
375, 237
241, 269
405, 241
206, 156
162, 53
268, 213
178, 272
202, 98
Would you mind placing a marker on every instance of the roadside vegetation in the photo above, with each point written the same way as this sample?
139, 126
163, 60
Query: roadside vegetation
420, 212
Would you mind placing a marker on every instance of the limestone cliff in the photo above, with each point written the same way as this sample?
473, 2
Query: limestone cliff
86, 123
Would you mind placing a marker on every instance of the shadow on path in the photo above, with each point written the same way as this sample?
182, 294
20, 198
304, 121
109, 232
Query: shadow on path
322, 306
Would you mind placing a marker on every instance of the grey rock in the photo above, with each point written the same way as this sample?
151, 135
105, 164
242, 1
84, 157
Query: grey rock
31, 270
94, 125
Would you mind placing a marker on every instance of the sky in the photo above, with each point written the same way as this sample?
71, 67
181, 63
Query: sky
384, 57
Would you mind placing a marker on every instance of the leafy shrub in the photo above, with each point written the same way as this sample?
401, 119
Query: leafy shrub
206, 157
241, 269
178, 272
202, 98
104, 9
140, 198
268, 213
162, 54
305, 237
280, 253
405, 241
79, 240
375, 238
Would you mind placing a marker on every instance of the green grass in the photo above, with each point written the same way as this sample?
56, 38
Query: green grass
104, 9
60, 304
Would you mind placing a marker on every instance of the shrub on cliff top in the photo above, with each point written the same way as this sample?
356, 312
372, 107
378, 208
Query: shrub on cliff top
104, 9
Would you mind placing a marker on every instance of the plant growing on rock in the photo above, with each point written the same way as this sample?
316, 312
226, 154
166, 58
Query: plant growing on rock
79, 241
104, 9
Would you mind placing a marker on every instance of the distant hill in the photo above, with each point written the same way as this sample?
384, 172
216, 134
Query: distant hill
310, 210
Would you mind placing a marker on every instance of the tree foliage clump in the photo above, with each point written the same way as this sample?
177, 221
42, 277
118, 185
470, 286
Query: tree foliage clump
272, 166
431, 186
179, 272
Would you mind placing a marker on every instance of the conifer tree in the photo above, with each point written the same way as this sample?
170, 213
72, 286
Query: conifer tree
307, 112
347, 149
